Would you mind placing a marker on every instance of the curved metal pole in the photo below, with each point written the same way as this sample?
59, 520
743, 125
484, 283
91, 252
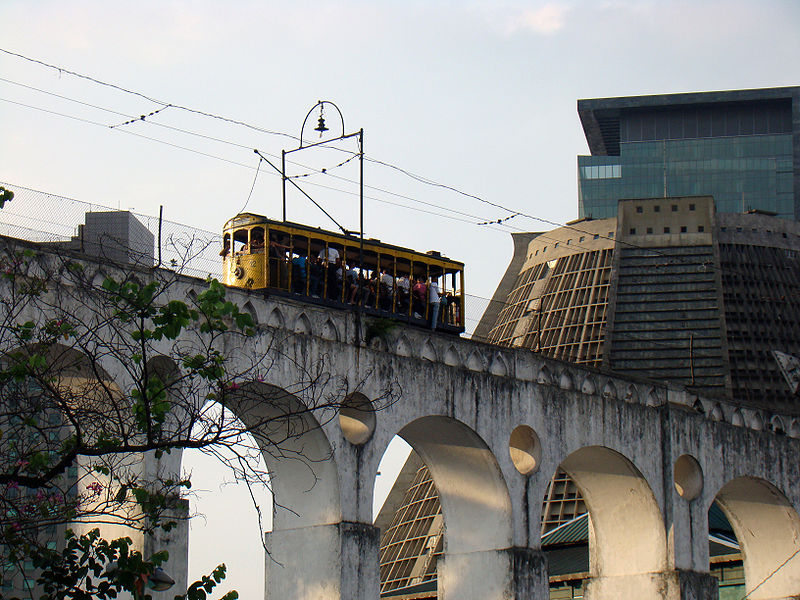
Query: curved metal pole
321, 103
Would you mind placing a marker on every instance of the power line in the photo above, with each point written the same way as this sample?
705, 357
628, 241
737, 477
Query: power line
783, 564
243, 146
406, 172
148, 98
240, 164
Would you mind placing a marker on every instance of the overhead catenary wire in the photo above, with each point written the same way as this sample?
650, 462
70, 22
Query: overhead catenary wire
416, 177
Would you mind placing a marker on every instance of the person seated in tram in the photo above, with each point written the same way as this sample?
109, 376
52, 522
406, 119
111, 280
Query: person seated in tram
351, 284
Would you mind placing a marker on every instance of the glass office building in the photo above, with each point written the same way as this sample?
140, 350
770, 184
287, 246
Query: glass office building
741, 147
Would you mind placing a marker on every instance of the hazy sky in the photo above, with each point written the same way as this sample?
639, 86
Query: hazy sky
479, 96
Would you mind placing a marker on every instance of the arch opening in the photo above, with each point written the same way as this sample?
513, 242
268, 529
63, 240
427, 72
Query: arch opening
450, 500
602, 527
767, 530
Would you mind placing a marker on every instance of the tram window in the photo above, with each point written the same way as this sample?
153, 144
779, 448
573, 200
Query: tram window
300, 264
226, 245
240, 241
256, 240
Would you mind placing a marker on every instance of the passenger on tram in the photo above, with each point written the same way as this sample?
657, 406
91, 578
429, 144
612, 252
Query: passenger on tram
299, 274
351, 283
419, 297
386, 290
435, 299
316, 273
403, 289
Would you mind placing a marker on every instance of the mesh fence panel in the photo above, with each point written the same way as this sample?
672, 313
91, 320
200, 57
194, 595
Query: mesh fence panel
42, 217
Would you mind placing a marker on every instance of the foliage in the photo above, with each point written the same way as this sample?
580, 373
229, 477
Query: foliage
91, 568
107, 373
5, 196
379, 329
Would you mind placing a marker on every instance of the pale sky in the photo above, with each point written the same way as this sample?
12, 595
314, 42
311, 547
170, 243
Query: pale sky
479, 96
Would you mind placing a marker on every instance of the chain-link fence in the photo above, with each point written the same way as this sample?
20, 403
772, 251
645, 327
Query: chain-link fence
42, 217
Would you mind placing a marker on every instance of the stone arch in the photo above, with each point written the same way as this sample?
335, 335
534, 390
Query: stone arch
737, 418
616, 493
632, 395
452, 357
776, 425
653, 398
794, 431
588, 386
461, 462
304, 482
756, 422
302, 325
498, 367
565, 381
610, 390
544, 377
475, 504
475, 361
250, 309
329, 331
716, 413
403, 347
276, 319
767, 528
428, 352
303, 473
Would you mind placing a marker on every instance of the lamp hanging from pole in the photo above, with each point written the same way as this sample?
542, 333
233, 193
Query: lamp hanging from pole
321, 122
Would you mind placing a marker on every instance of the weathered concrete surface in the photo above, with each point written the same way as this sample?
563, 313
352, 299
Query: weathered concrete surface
324, 561
457, 402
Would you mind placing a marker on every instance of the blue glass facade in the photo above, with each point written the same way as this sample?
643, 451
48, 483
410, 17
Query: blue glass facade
741, 147
741, 173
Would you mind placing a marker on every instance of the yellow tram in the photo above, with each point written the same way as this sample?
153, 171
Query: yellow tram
327, 267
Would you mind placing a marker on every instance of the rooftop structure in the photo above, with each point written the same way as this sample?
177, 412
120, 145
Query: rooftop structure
742, 147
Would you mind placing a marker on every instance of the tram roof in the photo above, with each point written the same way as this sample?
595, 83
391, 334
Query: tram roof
249, 219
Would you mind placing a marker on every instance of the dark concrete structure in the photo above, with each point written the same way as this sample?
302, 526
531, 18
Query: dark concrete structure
742, 147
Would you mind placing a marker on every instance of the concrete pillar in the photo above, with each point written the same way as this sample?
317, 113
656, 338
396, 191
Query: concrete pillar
511, 574
323, 562
674, 585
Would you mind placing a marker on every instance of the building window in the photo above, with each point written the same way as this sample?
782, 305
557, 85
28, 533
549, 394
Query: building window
683, 228
638, 209
666, 229
691, 207
602, 172
556, 246
544, 249
656, 208
611, 235
597, 236
723, 229
700, 229
674, 208
569, 242
649, 230
633, 231
739, 230
583, 237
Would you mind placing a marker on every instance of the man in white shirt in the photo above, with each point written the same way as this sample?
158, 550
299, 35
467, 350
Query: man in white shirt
434, 299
